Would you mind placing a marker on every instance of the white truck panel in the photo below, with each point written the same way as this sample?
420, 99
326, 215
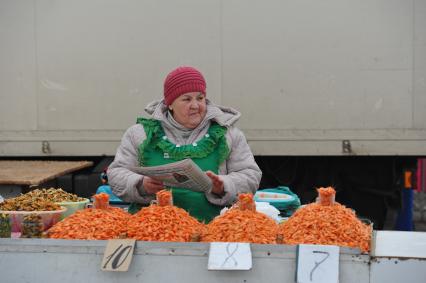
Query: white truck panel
326, 65
305, 74
18, 75
419, 61
101, 62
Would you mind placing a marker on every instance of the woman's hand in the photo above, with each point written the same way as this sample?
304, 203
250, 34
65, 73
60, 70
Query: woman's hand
151, 186
217, 188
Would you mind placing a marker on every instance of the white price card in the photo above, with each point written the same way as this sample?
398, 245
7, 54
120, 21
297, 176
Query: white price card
317, 264
118, 255
229, 256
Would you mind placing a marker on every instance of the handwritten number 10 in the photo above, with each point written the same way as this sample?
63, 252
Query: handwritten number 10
116, 256
319, 262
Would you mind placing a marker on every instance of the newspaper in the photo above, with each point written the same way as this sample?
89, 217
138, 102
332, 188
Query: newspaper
182, 174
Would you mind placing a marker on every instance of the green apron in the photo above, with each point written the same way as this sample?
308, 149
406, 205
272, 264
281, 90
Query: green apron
208, 153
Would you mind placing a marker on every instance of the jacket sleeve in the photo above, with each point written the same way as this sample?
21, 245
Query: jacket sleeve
124, 183
240, 173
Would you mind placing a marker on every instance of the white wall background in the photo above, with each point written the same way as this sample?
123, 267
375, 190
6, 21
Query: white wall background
305, 74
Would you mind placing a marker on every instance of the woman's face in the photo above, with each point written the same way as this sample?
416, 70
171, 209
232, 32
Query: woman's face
189, 109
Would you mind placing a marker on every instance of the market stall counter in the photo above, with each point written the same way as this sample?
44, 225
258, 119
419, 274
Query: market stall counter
395, 257
45, 260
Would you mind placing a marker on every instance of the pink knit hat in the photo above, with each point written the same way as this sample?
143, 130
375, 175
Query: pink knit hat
183, 80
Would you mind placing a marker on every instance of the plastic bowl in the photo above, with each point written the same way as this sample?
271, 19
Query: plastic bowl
272, 197
49, 218
73, 206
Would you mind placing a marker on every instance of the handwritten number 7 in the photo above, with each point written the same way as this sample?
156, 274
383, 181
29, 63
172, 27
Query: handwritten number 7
327, 254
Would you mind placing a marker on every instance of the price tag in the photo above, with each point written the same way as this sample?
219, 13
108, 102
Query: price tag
317, 264
229, 256
118, 255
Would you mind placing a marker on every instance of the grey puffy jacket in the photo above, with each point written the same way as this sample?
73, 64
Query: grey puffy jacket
239, 172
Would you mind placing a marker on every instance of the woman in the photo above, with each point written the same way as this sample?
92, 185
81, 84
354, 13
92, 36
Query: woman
186, 125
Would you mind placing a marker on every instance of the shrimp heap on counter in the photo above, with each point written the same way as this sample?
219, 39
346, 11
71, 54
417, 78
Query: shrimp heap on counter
242, 223
164, 222
102, 222
326, 222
